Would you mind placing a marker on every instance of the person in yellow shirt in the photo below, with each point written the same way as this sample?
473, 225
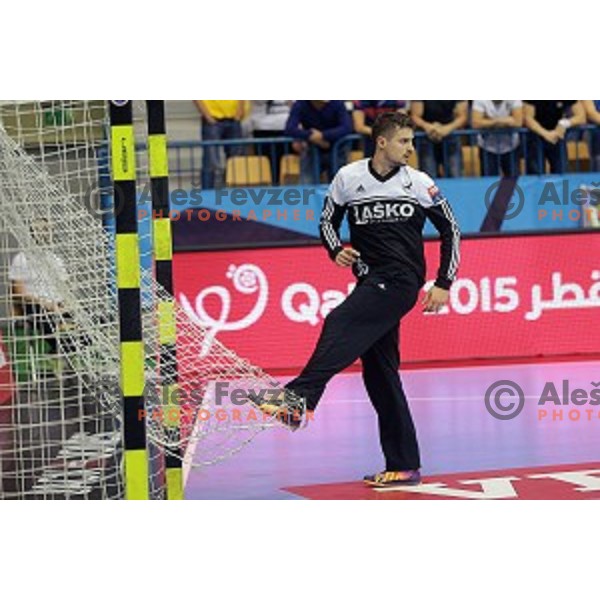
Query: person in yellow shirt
221, 120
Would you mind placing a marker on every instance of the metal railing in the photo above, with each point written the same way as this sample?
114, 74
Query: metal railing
275, 161
574, 153
247, 161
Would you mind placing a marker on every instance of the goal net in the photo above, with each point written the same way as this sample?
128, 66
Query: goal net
61, 417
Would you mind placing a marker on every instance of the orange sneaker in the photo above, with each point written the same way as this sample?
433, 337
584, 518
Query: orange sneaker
393, 478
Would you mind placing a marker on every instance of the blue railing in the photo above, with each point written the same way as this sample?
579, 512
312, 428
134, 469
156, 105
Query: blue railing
457, 155
527, 157
188, 159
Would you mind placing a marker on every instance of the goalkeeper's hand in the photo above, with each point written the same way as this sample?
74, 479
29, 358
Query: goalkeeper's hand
435, 299
347, 257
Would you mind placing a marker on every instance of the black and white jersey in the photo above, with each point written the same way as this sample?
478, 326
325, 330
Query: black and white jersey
386, 217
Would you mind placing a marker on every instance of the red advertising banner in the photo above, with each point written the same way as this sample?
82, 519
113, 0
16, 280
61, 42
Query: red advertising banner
516, 297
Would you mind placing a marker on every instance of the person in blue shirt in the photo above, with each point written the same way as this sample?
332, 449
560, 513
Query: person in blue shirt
316, 125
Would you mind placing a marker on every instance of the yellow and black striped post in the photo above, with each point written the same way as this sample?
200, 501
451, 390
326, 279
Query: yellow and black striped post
163, 257
129, 298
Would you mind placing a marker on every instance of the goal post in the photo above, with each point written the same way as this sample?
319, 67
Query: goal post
162, 239
129, 299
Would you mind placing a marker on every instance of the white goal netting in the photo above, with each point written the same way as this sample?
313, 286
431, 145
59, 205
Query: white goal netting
60, 401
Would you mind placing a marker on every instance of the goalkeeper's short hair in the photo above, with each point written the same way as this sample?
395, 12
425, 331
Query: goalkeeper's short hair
387, 123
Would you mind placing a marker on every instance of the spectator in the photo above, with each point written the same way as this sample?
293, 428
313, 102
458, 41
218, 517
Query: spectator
592, 111
438, 119
221, 120
498, 151
268, 121
35, 294
317, 125
366, 111
549, 120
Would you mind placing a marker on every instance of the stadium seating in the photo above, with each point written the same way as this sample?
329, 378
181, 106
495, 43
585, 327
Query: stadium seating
248, 171
289, 170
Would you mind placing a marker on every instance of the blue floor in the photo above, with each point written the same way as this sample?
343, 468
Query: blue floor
456, 433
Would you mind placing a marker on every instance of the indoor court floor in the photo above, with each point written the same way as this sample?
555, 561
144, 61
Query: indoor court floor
466, 453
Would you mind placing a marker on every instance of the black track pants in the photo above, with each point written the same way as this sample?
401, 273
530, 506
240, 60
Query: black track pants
366, 325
